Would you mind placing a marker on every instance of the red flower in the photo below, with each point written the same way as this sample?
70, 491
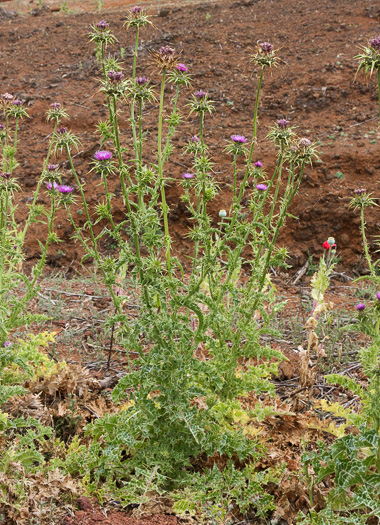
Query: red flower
326, 245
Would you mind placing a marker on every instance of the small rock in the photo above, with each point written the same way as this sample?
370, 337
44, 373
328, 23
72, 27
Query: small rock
84, 503
164, 11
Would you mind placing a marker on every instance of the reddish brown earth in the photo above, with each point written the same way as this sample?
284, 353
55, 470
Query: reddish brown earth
48, 58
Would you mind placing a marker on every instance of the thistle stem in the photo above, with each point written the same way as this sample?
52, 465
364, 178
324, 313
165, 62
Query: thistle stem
365, 243
255, 119
36, 193
133, 122
164, 206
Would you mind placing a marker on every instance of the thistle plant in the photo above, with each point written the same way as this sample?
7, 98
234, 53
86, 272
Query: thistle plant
197, 335
369, 61
15, 288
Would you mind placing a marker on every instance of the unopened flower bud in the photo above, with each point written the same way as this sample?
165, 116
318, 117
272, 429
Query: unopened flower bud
222, 213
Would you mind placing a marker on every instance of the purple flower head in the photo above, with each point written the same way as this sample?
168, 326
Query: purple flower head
103, 155
102, 25
200, 94
188, 176
378, 295
2, 127
182, 68
7, 344
5, 175
283, 123
258, 164
359, 191
65, 189
52, 186
261, 187
52, 167
229, 344
62, 130
167, 51
194, 138
115, 76
266, 47
17, 102
136, 10
55, 105
304, 142
239, 139
375, 43
360, 307
141, 81
7, 97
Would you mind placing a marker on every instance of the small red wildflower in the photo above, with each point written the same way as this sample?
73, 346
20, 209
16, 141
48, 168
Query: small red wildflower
326, 245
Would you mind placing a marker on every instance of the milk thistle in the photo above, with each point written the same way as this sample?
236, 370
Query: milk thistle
369, 61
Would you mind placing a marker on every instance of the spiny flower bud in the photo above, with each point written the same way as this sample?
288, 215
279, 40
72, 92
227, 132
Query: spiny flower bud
136, 10
102, 25
282, 123
166, 58
62, 188
360, 307
266, 47
55, 105
5, 175
359, 191
141, 81
103, 155
194, 138
261, 187
222, 213
7, 97
52, 167
115, 76
188, 176
182, 68
258, 164
375, 43
239, 139
200, 94
17, 102
62, 130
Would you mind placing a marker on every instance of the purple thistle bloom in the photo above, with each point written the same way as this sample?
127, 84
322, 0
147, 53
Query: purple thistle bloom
182, 68
115, 76
136, 10
167, 51
195, 139
304, 142
141, 81
266, 47
5, 175
7, 97
52, 167
283, 123
200, 94
359, 191
102, 25
52, 186
378, 295
55, 105
62, 130
258, 164
229, 345
261, 187
360, 307
65, 189
188, 176
2, 127
239, 139
7, 344
103, 155
375, 43
17, 102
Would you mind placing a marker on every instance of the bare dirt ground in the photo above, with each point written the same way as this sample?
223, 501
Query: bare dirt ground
46, 57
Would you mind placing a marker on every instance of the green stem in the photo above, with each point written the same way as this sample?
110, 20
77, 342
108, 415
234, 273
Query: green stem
164, 206
255, 119
133, 122
36, 193
128, 205
172, 127
91, 230
15, 136
235, 176
365, 243
105, 79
